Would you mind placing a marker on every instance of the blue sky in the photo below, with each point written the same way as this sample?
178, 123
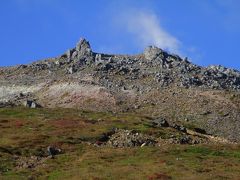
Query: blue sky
206, 31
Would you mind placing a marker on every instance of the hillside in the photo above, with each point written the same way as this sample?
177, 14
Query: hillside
155, 83
139, 113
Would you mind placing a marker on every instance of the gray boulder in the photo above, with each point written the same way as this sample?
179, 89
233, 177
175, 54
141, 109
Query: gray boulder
160, 122
152, 52
31, 104
129, 138
52, 151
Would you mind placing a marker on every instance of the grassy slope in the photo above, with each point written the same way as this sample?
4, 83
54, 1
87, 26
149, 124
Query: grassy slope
27, 132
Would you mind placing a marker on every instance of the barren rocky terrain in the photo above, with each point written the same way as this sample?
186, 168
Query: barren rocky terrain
156, 107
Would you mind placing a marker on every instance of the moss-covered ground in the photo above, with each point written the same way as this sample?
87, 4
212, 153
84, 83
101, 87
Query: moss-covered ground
28, 132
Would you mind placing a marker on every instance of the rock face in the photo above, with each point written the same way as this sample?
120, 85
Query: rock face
153, 83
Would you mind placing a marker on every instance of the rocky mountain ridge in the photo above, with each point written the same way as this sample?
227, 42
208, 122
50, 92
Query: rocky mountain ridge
164, 68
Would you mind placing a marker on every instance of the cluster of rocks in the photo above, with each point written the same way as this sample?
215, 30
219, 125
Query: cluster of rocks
185, 139
121, 138
173, 69
21, 99
30, 162
214, 77
36, 161
126, 138
179, 128
162, 122
39, 66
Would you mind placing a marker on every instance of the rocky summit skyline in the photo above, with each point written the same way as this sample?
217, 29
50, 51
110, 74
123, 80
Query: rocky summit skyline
207, 32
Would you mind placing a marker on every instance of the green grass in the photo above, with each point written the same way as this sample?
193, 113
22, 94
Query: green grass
28, 132
206, 151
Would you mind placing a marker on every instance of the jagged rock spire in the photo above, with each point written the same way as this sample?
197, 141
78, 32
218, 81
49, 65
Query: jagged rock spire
83, 47
82, 50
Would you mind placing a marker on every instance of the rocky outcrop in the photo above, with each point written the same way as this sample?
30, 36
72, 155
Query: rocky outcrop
83, 48
81, 52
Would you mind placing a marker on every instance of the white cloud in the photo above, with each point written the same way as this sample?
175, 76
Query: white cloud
148, 30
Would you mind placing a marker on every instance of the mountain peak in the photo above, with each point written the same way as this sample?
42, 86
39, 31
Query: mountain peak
83, 45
